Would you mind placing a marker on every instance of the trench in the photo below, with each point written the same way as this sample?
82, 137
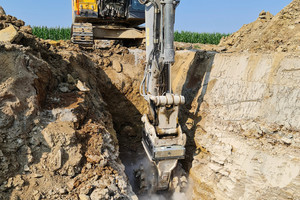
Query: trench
127, 116
112, 93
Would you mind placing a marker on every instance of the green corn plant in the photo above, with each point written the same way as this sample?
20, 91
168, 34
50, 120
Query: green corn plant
204, 38
56, 33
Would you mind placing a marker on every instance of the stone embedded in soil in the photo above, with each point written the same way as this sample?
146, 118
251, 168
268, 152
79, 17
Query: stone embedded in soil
116, 65
84, 197
8, 34
82, 86
100, 194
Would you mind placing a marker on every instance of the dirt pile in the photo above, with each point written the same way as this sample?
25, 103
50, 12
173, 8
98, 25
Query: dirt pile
57, 138
280, 33
66, 111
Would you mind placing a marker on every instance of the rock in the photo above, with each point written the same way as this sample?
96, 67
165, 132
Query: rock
62, 191
36, 175
30, 158
82, 87
220, 49
19, 23
54, 43
287, 140
113, 188
183, 179
106, 62
2, 12
26, 168
8, 34
262, 14
55, 160
64, 87
26, 29
84, 197
6, 121
89, 166
99, 194
71, 80
37, 197
18, 181
70, 184
107, 54
175, 182
122, 185
64, 115
9, 183
134, 197
116, 65
103, 44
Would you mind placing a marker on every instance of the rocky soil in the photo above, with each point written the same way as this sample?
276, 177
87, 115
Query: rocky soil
247, 138
57, 137
70, 117
269, 33
247, 135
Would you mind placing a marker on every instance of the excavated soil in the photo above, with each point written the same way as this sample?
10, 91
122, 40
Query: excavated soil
66, 114
57, 136
70, 118
280, 33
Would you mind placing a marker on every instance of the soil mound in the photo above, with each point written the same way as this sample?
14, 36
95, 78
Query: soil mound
57, 138
280, 33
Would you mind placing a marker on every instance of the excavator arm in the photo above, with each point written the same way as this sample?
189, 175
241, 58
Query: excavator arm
163, 139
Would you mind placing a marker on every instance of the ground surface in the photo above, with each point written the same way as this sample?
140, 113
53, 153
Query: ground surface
67, 113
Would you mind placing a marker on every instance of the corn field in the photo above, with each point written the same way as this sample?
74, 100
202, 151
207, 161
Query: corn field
183, 36
52, 33
203, 38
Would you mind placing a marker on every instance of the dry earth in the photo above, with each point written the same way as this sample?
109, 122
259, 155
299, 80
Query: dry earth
68, 114
279, 33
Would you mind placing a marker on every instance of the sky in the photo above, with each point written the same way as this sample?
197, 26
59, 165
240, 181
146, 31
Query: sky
224, 16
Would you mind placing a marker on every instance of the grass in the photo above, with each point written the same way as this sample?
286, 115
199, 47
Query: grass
58, 33
203, 38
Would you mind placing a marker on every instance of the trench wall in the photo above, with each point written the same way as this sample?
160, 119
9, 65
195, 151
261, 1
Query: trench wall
247, 128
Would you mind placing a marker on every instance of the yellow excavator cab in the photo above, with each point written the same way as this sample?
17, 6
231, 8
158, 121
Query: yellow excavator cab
106, 19
84, 9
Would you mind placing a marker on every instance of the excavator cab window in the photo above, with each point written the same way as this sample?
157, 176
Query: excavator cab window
135, 4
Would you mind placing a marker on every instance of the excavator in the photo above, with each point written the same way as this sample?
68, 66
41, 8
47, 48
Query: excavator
106, 19
162, 137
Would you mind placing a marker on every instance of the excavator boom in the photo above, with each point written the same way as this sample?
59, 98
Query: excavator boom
163, 139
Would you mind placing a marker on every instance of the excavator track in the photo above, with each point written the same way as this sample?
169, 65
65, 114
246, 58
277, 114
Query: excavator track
82, 34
